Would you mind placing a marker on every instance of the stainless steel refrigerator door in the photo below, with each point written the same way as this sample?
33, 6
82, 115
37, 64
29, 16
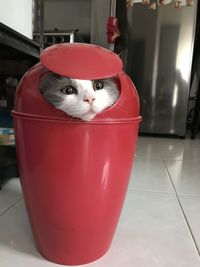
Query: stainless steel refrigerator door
159, 56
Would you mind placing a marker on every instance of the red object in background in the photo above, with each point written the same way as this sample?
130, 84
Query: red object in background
74, 174
112, 30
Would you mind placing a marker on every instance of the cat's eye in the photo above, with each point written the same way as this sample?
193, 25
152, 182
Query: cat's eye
98, 85
69, 90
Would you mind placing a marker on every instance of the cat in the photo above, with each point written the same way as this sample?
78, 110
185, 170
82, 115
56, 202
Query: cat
82, 99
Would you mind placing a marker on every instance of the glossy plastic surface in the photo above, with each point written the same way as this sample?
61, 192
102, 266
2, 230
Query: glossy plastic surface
74, 174
81, 61
74, 178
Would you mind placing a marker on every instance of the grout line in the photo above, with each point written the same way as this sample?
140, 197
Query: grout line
151, 191
182, 210
189, 195
11, 207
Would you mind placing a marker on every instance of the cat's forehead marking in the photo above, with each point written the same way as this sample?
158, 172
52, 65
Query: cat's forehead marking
84, 84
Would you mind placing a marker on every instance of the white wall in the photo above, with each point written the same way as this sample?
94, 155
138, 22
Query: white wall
18, 15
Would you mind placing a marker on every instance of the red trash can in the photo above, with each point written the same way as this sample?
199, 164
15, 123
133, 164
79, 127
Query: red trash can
75, 174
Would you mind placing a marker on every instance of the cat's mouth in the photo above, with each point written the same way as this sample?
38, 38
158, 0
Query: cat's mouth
90, 111
88, 115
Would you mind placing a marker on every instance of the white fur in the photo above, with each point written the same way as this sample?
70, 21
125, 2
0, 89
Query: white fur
75, 104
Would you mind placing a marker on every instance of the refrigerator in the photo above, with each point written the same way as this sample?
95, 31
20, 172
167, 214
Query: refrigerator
157, 49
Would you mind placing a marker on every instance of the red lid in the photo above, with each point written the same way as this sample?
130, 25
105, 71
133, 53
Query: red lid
81, 61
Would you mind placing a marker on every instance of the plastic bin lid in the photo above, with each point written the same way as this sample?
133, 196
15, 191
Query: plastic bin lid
81, 61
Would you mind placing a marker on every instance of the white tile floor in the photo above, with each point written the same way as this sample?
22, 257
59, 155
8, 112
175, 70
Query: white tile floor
160, 222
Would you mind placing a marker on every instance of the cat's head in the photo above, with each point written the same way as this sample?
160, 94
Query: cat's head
79, 98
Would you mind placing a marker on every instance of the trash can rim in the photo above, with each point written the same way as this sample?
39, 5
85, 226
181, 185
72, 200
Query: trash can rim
74, 120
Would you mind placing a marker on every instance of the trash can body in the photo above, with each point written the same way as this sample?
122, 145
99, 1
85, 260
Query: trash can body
74, 174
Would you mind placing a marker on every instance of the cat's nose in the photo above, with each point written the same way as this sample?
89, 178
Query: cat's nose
89, 99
